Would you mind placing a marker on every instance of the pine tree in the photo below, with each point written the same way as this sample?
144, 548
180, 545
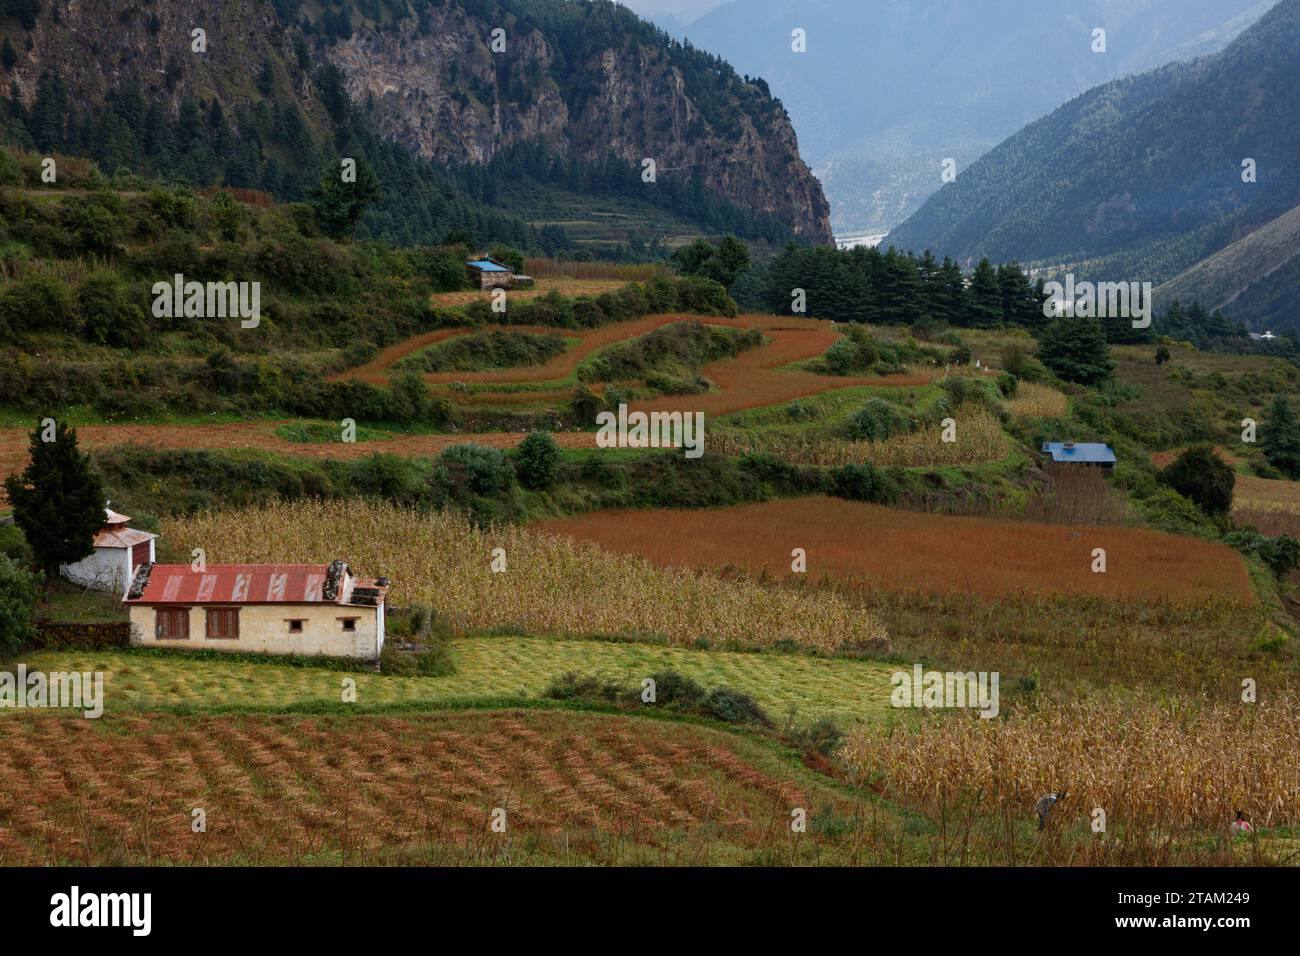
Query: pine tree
339, 205
1280, 437
984, 300
1076, 350
58, 500
8, 55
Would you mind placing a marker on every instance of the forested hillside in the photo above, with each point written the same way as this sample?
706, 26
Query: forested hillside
272, 94
1142, 177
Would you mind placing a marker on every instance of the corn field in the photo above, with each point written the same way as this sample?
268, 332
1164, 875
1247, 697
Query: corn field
1037, 401
979, 438
551, 584
1185, 764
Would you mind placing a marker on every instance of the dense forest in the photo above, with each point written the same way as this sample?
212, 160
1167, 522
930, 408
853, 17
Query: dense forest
893, 287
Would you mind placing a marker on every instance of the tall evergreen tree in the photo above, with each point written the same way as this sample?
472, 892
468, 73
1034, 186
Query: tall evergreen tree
1076, 350
339, 205
984, 299
58, 500
1280, 437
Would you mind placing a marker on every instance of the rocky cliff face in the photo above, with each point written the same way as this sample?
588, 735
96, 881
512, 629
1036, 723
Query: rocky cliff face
442, 90
434, 83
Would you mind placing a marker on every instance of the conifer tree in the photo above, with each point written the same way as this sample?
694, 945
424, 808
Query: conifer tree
58, 500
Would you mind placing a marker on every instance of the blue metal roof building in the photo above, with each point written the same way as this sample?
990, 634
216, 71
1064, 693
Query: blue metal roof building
486, 265
1082, 453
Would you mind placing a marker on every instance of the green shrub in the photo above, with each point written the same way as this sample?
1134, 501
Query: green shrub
1281, 552
570, 686
1167, 510
585, 406
1202, 477
38, 302
734, 707
878, 420
821, 737
14, 545
486, 471
17, 606
537, 459
856, 482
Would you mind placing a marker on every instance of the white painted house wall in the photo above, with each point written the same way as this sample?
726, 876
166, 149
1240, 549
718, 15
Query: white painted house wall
264, 629
108, 569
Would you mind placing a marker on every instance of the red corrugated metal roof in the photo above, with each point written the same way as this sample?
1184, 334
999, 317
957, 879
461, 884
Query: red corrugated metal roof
237, 584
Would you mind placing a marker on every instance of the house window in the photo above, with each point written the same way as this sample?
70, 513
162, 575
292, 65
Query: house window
223, 623
349, 623
295, 625
172, 623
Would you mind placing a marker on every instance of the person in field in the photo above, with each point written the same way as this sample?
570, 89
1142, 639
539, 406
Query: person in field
1044, 806
1241, 825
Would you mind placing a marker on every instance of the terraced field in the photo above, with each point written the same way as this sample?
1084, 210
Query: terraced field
487, 667
574, 788
751, 379
14, 441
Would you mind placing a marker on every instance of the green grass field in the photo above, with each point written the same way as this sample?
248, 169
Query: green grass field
489, 668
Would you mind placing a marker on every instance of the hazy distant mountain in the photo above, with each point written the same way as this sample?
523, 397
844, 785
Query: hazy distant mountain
889, 88
1142, 177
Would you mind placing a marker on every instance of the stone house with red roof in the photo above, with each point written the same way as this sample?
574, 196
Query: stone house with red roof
119, 552
307, 609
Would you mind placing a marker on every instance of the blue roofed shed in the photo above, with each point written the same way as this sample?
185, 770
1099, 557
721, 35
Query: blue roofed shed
489, 274
1096, 454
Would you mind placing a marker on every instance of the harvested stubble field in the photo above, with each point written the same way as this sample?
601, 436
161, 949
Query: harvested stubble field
910, 551
552, 584
980, 439
491, 667
576, 789
1164, 771
1272, 506
1266, 494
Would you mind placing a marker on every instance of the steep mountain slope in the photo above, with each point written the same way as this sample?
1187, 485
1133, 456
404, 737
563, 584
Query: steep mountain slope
597, 88
888, 88
1140, 178
1254, 278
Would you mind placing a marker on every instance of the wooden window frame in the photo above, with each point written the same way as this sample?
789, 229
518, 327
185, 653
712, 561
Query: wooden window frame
158, 613
233, 612
349, 623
